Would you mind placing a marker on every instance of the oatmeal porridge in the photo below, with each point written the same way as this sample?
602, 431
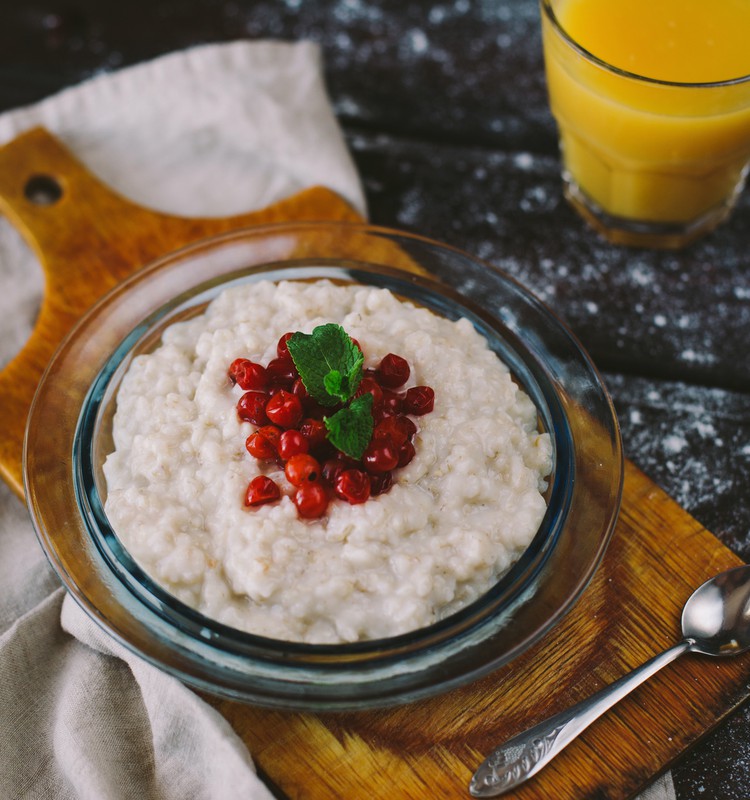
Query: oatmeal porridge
455, 518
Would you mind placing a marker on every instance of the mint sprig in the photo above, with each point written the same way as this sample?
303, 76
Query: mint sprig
328, 362
330, 366
350, 429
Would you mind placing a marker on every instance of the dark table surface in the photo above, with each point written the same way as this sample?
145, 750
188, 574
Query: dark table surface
444, 108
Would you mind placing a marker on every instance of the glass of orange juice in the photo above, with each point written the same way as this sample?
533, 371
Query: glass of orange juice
652, 102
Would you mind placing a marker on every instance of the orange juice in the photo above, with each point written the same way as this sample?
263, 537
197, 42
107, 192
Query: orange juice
652, 100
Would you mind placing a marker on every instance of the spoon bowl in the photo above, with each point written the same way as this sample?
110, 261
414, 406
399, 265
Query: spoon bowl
716, 617
715, 622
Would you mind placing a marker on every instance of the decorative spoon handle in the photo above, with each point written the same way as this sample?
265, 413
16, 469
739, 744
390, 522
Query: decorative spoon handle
524, 755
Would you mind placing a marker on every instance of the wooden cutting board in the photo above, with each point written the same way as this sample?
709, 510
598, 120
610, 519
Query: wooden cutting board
88, 238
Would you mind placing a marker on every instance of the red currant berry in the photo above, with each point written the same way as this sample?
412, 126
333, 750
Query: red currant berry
411, 428
380, 484
315, 431
356, 344
347, 461
393, 402
393, 371
282, 349
282, 372
394, 429
259, 447
380, 456
298, 388
371, 386
261, 490
419, 400
284, 409
406, 453
272, 434
302, 468
292, 443
353, 485
379, 414
247, 374
332, 468
251, 407
311, 500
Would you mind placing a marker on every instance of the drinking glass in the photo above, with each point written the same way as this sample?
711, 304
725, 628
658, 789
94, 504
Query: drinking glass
646, 162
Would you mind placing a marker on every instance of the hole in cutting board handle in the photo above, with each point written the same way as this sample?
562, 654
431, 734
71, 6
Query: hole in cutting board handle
43, 190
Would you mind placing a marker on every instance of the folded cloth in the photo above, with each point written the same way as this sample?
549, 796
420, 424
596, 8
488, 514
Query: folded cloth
215, 130
210, 131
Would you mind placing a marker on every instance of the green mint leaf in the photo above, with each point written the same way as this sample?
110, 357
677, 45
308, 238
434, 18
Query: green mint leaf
328, 362
350, 429
337, 385
333, 385
354, 375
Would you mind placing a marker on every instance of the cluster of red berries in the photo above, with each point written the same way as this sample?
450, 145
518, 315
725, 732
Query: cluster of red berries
291, 431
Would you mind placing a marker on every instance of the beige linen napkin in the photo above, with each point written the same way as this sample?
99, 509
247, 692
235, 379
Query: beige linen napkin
211, 131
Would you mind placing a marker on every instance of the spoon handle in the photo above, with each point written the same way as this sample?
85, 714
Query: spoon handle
524, 755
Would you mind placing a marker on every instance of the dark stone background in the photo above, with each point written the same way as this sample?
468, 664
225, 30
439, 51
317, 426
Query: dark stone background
445, 111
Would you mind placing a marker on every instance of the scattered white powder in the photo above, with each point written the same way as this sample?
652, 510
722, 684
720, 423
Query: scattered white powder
536, 199
504, 41
673, 444
524, 161
641, 275
699, 358
690, 440
418, 41
436, 15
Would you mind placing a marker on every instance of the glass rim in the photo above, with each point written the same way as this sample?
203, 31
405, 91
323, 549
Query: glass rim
623, 73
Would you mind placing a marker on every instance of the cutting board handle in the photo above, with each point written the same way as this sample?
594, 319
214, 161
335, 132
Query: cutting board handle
88, 238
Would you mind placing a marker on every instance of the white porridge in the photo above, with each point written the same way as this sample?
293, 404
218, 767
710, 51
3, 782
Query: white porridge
456, 518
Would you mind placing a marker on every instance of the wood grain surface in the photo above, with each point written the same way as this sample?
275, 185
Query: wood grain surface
628, 613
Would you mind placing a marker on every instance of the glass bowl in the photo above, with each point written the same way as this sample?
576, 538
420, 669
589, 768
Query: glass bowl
69, 434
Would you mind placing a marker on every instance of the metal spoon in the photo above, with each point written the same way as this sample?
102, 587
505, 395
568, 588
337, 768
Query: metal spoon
715, 622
